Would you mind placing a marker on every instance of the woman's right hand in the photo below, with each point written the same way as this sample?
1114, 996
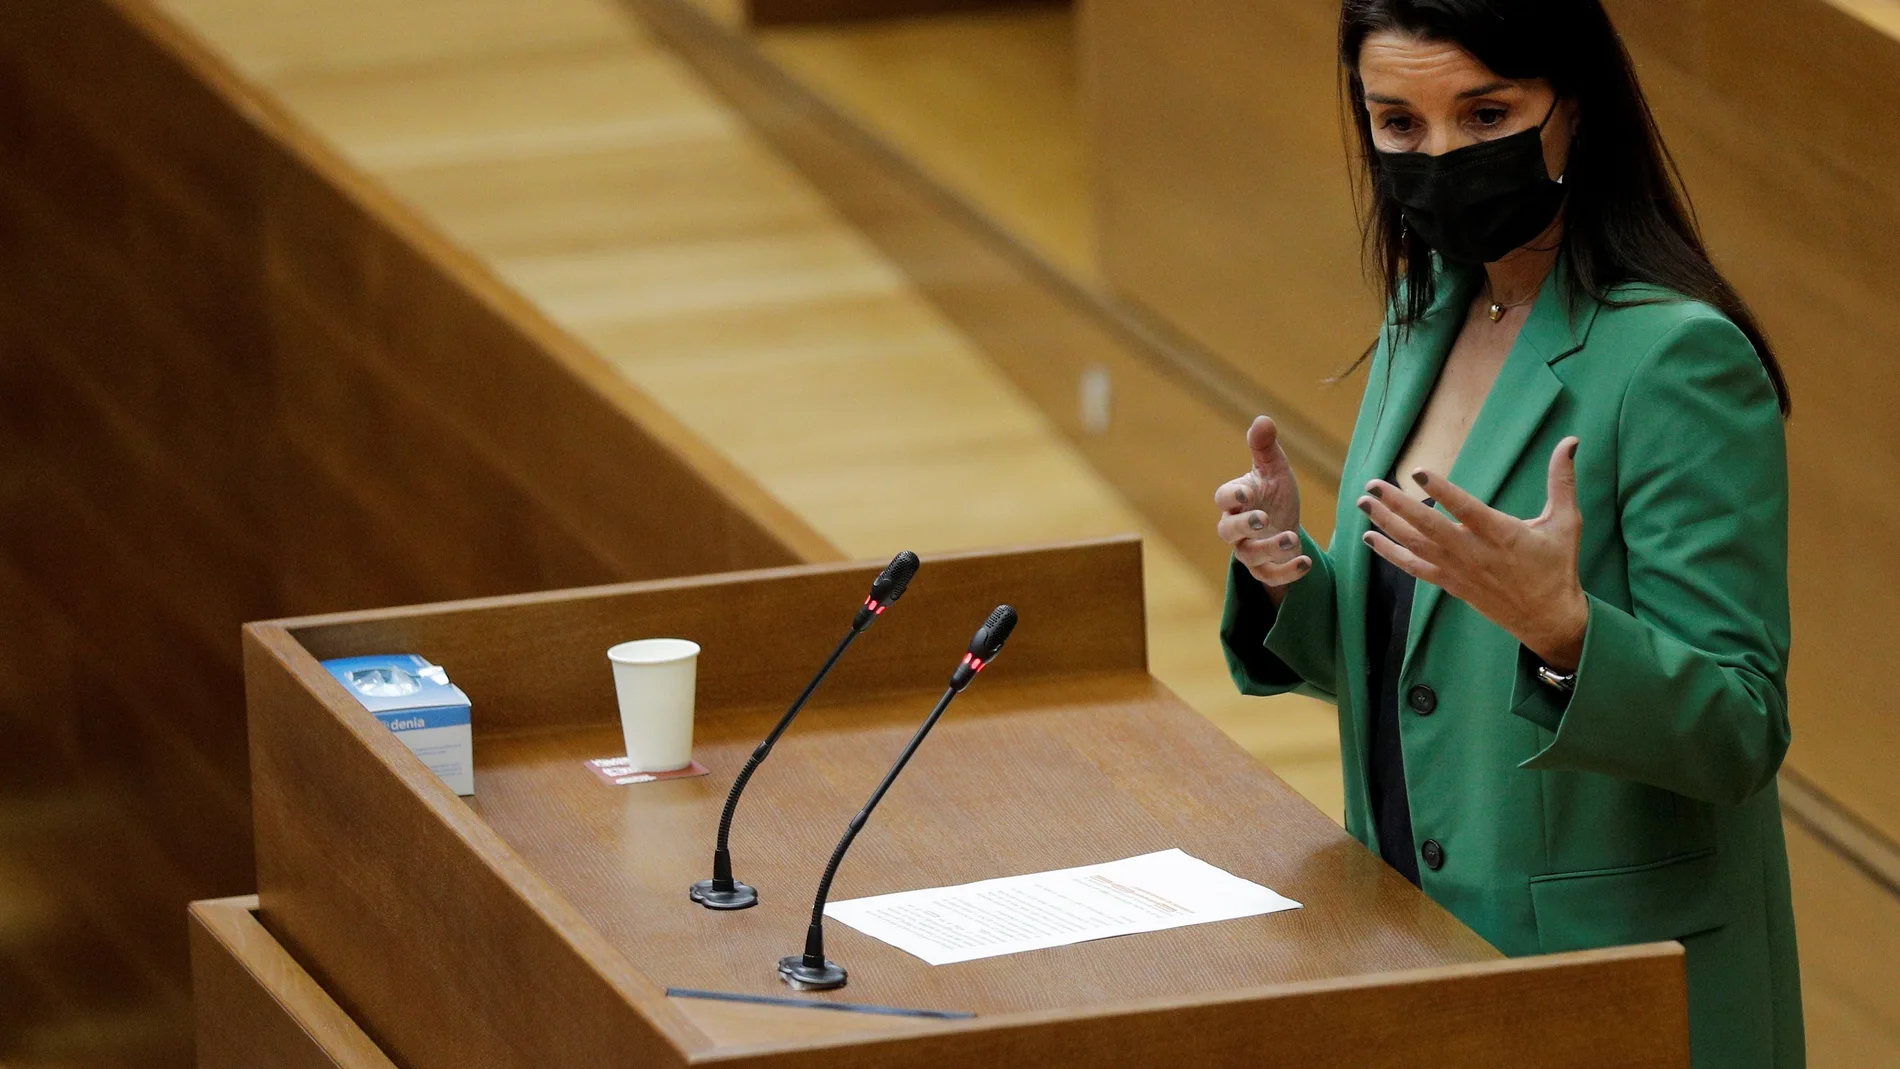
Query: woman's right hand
1260, 514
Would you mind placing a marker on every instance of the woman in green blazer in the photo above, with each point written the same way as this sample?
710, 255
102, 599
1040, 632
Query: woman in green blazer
1554, 613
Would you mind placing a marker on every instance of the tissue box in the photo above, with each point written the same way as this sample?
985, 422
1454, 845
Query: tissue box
415, 699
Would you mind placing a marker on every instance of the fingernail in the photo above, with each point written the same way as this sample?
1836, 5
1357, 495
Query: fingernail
1573, 449
1288, 541
1367, 540
1364, 506
1375, 491
1421, 478
1305, 565
1240, 496
1257, 523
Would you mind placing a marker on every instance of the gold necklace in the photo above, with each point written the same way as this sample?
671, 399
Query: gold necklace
1497, 310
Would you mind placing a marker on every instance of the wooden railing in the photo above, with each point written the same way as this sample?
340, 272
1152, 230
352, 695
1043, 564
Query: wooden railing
241, 381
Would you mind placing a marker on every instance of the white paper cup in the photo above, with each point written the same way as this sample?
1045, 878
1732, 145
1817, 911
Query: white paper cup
654, 679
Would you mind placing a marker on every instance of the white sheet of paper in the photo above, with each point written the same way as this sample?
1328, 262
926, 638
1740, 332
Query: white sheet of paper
1149, 893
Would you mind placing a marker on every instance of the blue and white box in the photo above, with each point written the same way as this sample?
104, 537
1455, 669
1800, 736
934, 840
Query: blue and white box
415, 699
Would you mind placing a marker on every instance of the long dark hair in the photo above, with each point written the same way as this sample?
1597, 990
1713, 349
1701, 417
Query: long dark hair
1627, 217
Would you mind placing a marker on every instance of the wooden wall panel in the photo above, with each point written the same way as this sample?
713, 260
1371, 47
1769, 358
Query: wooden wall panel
241, 381
1222, 190
1850, 957
1226, 209
1172, 439
767, 12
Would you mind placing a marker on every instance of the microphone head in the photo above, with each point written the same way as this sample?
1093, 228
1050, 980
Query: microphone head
994, 632
895, 578
886, 588
985, 646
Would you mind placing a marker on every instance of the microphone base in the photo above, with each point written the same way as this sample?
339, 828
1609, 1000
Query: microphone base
742, 896
793, 970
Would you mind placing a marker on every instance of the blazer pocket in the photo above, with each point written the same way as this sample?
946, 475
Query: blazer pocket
1647, 903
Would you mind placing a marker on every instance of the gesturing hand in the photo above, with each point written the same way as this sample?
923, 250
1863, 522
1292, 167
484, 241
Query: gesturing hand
1521, 574
1260, 513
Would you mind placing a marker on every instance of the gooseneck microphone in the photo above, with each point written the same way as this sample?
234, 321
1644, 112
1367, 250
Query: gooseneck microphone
811, 971
722, 891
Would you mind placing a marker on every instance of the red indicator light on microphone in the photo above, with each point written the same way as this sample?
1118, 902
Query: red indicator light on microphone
976, 663
969, 658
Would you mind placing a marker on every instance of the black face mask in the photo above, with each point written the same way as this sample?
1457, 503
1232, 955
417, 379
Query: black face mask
1476, 204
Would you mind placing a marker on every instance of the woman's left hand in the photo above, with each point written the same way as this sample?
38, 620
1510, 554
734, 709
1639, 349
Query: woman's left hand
1521, 574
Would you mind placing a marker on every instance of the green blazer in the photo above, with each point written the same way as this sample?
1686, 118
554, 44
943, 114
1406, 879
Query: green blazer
1644, 807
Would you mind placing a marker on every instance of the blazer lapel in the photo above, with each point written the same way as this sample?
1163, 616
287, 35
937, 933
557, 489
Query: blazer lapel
1395, 396
1512, 412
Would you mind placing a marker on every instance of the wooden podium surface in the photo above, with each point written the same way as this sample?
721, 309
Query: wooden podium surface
540, 922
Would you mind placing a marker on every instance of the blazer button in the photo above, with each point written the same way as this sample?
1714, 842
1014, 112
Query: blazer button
1434, 855
1423, 700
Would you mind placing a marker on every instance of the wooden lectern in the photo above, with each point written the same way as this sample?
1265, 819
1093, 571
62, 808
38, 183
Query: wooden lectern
541, 922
